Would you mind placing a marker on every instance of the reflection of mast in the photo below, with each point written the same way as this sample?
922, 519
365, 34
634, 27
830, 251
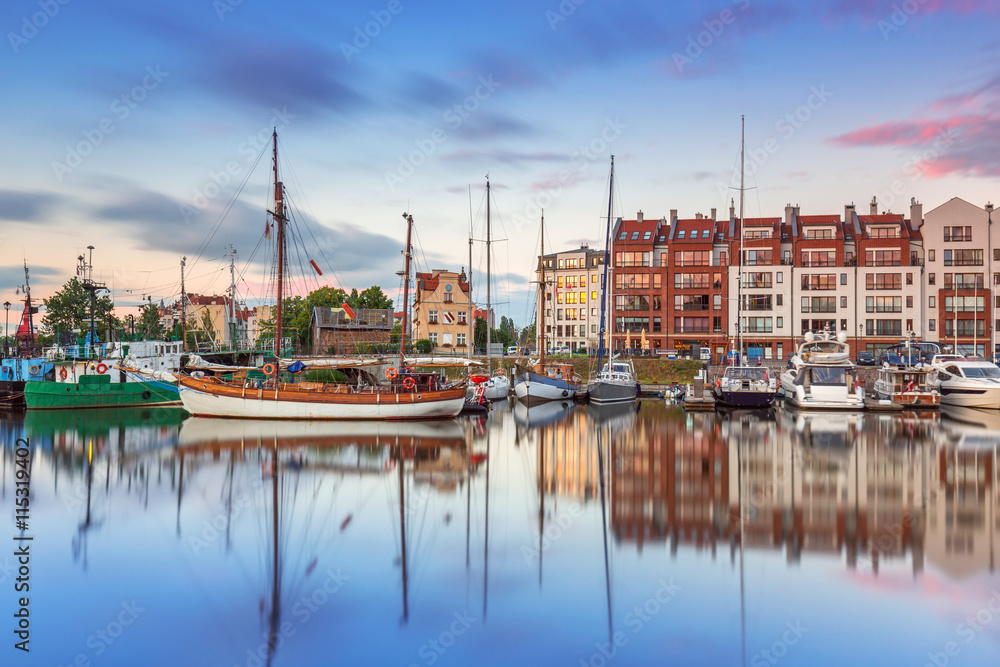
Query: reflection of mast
604, 528
180, 489
743, 616
486, 540
80, 543
275, 617
402, 531
542, 483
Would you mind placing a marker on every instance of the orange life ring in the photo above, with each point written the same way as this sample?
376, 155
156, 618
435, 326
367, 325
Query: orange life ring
268, 369
409, 383
102, 368
63, 374
390, 373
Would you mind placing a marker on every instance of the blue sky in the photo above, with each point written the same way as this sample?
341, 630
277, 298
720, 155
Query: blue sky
121, 118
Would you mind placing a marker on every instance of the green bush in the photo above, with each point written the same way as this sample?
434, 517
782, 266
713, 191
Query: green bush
423, 346
325, 375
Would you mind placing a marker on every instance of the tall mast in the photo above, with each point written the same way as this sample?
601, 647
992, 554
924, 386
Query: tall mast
184, 326
489, 307
739, 284
541, 328
604, 280
27, 307
232, 298
406, 288
472, 307
279, 218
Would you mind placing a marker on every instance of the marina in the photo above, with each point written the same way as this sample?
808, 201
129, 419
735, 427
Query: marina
280, 539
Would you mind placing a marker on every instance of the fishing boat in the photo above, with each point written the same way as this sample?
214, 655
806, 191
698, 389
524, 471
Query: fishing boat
822, 376
903, 378
545, 382
742, 386
408, 394
970, 384
616, 382
22, 364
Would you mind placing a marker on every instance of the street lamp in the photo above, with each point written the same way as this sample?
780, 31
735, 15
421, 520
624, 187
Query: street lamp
6, 321
857, 343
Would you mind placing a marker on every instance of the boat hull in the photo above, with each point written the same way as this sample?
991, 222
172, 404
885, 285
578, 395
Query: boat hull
970, 397
213, 399
744, 398
535, 388
98, 392
12, 394
496, 388
612, 392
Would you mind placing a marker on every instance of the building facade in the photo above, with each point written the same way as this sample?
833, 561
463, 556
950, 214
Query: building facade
571, 298
442, 308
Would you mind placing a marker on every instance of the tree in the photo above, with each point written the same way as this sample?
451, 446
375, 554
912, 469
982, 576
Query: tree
527, 337
149, 325
69, 308
479, 334
372, 298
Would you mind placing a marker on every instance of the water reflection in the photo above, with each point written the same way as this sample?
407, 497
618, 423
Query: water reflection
286, 542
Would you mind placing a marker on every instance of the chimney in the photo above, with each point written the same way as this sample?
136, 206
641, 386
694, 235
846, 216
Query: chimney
732, 209
789, 211
713, 213
638, 216
916, 213
874, 206
849, 214
673, 215
697, 216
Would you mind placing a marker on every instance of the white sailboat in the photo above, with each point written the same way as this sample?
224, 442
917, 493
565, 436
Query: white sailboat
497, 387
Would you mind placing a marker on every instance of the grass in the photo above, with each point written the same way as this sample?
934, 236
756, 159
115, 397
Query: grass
648, 371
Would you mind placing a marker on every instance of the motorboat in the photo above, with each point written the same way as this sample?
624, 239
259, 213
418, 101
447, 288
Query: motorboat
822, 376
967, 383
745, 387
912, 387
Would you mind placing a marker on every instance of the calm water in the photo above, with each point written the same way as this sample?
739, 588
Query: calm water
751, 539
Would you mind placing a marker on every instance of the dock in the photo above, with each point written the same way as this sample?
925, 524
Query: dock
697, 398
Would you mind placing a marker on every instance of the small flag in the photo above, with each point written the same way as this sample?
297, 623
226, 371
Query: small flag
267, 230
349, 311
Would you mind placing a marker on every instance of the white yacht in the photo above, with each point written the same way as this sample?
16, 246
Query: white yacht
967, 383
821, 376
616, 383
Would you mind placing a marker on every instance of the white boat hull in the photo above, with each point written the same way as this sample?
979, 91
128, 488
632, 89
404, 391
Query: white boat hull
496, 388
534, 391
388, 406
967, 395
820, 397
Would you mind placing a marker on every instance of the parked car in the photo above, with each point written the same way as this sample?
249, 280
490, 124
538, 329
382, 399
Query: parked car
866, 358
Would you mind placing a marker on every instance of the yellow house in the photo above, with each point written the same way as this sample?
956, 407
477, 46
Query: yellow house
442, 309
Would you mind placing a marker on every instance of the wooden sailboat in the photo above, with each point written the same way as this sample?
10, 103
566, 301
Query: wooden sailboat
409, 395
498, 385
545, 382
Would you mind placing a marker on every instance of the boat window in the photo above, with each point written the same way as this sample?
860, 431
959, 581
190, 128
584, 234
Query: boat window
982, 372
828, 376
953, 369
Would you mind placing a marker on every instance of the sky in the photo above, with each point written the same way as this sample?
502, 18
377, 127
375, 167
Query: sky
143, 129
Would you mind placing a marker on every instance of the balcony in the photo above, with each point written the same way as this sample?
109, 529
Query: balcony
968, 286
691, 330
786, 261
693, 306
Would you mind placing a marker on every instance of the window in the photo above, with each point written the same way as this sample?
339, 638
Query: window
691, 281
805, 305
593, 296
627, 302
689, 302
757, 325
432, 317
843, 325
758, 234
909, 304
631, 281
930, 325
633, 258
583, 297
621, 237
657, 281
692, 258
753, 302
635, 236
963, 257
930, 278
755, 257
930, 302
448, 297
957, 234
909, 325
463, 317
819, 258
843, 302
930, 255
882, 258
909, 278
757, 280
996, 278
561, 263
559, 314
460, 339
883, 304
823, 304
825, 281
777, 299
883, 232
646, 236
656, 325
963, 281
780, 323
680, 234
777, 277
843, 278
883, 281
884, 328
705, 233
996, 254
717, 302
819, 234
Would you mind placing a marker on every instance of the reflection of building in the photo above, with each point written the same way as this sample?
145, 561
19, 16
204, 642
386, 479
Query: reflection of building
670, 481
875, 488
568, 459
963, 529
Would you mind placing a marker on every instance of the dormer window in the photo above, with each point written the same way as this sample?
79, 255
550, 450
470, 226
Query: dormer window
635, 236
706, 234
680, 234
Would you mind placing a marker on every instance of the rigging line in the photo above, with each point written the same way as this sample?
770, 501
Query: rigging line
225, 211
331, 265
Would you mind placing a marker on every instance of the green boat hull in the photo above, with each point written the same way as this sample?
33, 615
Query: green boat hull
97, 391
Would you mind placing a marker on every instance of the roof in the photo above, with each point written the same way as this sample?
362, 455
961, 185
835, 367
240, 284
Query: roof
369, 318
430, 281
819, 220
